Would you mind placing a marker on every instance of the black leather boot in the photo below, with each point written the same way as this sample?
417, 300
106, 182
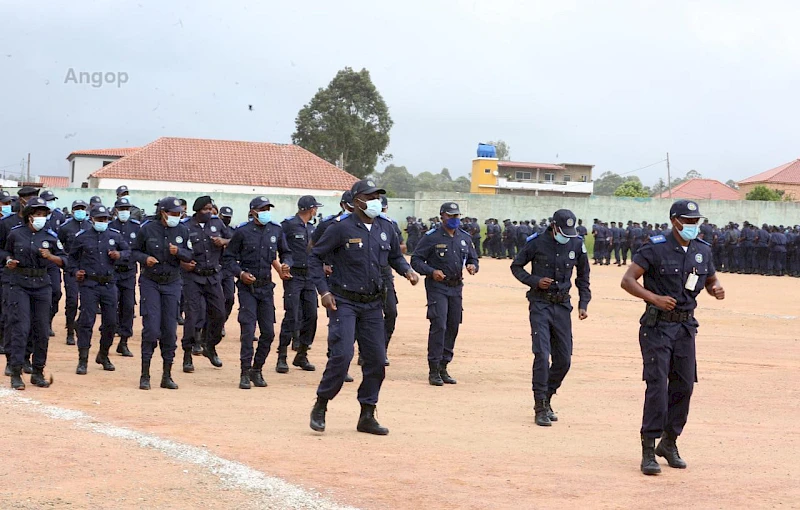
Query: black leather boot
367, 422
244, 379
102, 359
37, 378
446, 379
122, 348
301, 359
144, 379
318, 414
188, 367
83, 361
348, 377
16, 378
540, 408
166, 378
257, 377
70, 336
649, 464
669, 450
197, 345
550, 413
210, 352
27, 368
434, 377
7, 371
281, 366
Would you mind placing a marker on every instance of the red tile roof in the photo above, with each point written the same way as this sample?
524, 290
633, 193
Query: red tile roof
784, 174
702, 189
518, 164
228, 162
105, 152
54, 181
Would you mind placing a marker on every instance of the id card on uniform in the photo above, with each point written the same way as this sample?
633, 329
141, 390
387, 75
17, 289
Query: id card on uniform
691, 281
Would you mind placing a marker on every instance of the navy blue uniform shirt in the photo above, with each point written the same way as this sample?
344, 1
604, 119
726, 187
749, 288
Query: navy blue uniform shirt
253, 247
298, 234
153, 240
23, 245
69, 229
207, 255
128, 230
89, 251
449, 254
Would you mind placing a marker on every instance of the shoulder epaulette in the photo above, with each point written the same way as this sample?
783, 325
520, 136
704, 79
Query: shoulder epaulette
275, 223
288, 218
431, 231
145, 222
52, 233
343, 216
17, 226
114, 230
580, 237
532, 237
79, 232
329, 217
703, 241
137, 222
658, 239
242, 224
186, 219
213, 216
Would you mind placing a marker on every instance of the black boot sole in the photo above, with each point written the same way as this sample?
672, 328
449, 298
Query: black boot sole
651, 471
373, 431
663, 455
317, 427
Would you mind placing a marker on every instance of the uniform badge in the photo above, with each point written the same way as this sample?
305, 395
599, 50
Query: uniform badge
691, 206
179, 239
463, 243
213, 228
583, 247
45, 244
177, 202
383, 236
371, 184
133, 235
699, 258
453, 206
60, 246
189, 244
111, 242
570, 222
572, 255
273, 239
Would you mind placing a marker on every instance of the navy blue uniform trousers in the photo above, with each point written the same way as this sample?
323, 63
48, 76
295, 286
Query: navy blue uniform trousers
27, 317
205, 309
108, 298
300, 305
256, 305
126, 290
445, 312
349, 321
159, 317
71, 301
389, 310
670, 370
229, 291
551, 334
54, 272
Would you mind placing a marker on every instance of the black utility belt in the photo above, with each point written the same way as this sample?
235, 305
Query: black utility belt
29, 271
300, 271
551, 297
206, 272
355, 296
451, 283
162, 279
675, 316
123, 269
100, 279
260, 283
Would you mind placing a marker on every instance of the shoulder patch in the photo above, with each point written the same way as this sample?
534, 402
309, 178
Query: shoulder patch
658, 239
288, 218
79, 232
242, 224
275, 223
52, 233
114, 230
703, 241
135, 221
431, 231
532, 237
328, 217
15, 227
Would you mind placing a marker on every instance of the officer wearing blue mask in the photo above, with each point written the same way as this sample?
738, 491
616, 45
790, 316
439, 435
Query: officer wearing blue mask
251, 254
442, 255
160, 247
136, 213
27, 251
357, 246
125, 270
553, 256
676, 267
56, 217
5, 203
66, 234
92, 259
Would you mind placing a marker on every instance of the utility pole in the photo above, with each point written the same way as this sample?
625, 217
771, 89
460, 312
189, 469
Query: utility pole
29, 167
669, 179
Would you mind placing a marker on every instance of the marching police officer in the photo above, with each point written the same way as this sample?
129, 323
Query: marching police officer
160, 247
390, 294
5, 204
441, 255
136, 213
56, 217
27, 251
251, 255
676, 268
92, 258
125, 274
228, 284
358, 245
299, 295
66, 234
202, 282
553, 255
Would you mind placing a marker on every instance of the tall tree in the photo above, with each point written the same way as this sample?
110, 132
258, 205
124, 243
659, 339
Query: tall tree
762, 192
347, 123
503, 150
607, 184
731, 184
446, 174
631, 188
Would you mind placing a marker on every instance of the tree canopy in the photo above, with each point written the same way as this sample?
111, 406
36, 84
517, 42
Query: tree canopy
762, 192
399, 182
347, 123
631, 189
503, 150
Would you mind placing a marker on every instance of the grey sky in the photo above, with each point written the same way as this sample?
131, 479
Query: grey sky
616, 84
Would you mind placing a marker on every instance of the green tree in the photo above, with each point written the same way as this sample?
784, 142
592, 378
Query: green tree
761, 192
659, 187
631, 188
347, 123
462, 185
607, 184
503, 150
397, 180
731, 184
446, 174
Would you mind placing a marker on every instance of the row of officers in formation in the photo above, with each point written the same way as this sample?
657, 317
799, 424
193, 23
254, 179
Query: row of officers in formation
198, 261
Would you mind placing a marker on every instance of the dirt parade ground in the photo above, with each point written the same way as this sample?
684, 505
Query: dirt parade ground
97, 441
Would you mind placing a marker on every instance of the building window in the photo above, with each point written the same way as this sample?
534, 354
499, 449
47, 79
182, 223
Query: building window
523, 176
583, 178
548, 177
105, 163
487, 171
73, 171
567, 178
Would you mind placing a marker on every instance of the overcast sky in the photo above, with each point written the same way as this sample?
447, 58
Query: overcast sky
615, 84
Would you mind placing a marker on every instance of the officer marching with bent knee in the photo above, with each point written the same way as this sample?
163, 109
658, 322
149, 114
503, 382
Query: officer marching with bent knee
128, 228
66, 234
676, 268
442, 255
553, 256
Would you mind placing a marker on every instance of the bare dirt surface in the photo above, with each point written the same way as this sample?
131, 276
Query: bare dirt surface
472, 445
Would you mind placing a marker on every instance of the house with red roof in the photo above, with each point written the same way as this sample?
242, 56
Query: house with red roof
784, 178
83, 163
702, 189
221, 166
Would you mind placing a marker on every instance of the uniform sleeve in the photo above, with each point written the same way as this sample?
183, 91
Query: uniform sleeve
523, 258
284, 252
330, 240
582, 280
419, 259
8, 252
124, 250
138, 252
472, 257
396, 258
184, 253
4, 252
74, 256
230, 258
644, 257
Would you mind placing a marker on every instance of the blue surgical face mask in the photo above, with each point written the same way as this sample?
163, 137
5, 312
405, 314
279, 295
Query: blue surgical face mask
689, 232
79, 214
561, 238
51, 204
373, 209
38, 222
100, 226
123, 216
453, 223
173, 221
264, 217
6, 209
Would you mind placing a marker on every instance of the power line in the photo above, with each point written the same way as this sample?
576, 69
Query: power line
642, 168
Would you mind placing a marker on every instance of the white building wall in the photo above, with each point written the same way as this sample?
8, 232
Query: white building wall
207, 188
85, 165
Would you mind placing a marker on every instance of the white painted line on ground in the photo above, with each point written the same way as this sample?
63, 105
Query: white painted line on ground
275, 493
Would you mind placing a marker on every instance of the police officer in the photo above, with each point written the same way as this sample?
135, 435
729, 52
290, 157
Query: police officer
616, 242
92, 258
390, 294
5, 204
553, 255
676, 268
414, 233
125, 269
56, 216
441, 256
358, 245
27, 251
777, 252
136, 213
160, 247
66, 234
228, 284
251, 255
299, 295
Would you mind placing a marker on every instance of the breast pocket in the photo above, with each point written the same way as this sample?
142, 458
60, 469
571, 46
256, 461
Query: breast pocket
195, 243
542, 266
667, 269
152, 246
384, 253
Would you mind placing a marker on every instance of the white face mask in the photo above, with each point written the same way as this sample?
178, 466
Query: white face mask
38, 222
373, 208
